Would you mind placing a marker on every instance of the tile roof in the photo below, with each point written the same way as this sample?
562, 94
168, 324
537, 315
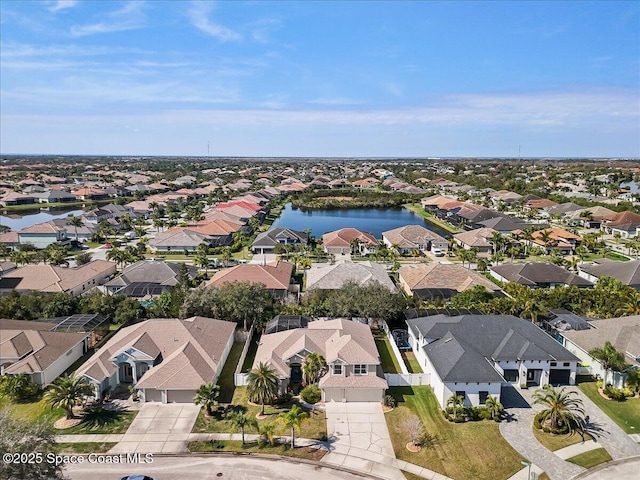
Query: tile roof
435, 275
275, 276
410, 236
344, 237
475, 238
326, 276
49, 278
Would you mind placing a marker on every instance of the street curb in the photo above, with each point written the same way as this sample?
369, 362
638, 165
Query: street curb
604, 466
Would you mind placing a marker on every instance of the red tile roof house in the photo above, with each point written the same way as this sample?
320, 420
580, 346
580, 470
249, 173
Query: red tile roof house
31, 347
339, 242
165, 359
354, 368
276, 277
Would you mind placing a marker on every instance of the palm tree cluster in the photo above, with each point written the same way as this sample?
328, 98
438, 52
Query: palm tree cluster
263, 385
67, 392
562, 410
314, 367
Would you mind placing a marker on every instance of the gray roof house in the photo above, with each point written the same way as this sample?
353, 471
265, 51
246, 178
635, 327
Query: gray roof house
627, 272
326, 276
177, 240
624, 335
266, 242
537, 275
147, 278
354, 368
477, 355
165, 359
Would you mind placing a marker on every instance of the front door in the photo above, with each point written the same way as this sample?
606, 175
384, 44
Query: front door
127, 373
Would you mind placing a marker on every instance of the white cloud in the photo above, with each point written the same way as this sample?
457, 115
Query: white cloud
129, 17
63, 5
199, 14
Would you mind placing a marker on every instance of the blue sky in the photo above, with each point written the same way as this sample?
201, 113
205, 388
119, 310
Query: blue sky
320, 78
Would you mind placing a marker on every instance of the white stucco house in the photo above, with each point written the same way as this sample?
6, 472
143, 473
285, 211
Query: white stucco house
476, 355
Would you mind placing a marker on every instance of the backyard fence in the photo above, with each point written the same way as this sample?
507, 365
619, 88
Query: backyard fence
395, 349
241, 379
407, 379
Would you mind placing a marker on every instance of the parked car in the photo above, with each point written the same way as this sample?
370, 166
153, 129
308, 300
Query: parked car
130, 235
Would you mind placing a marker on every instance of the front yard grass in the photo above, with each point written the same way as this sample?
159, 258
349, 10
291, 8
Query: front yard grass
556, 442
314, 427
626, 414
102, 422
591, 458
307, 453
389, 361
32, 409
473, 450
88, 447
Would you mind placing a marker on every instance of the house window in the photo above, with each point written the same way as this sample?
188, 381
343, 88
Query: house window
553, 364
360, 369
461, 393
337, 369
565, 364
511, 375
483, 397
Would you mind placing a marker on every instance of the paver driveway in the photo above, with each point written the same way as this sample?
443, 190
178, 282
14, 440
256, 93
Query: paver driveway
159, 428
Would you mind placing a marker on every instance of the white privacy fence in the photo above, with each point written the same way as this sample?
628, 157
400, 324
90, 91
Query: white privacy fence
241, 379
407, 379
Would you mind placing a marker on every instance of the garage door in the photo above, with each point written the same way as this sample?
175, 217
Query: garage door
180, 396
559, 377
364, 395
333, 394
152, 395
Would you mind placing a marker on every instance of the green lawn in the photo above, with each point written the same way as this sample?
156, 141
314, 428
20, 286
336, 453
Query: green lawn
226, 380
474, 450
102, 422
411, 361
556, 442
253, 447
251, 353
91, 447
32, 409
313, 427
417, 208
591, 458
626, 414
389, 361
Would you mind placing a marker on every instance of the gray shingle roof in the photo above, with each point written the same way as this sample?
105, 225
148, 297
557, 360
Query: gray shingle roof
627, 272
461, 348
535, 273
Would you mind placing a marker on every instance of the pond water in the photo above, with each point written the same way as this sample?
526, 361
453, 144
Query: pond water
632, 186
18, 222
373, 220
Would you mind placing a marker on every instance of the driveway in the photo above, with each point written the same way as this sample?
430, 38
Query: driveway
159, 428
359, 439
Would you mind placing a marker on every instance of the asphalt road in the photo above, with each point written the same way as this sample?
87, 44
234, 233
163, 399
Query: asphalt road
193, 467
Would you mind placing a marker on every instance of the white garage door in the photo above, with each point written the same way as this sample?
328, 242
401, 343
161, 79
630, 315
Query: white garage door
180, 396
364, 395
333, 394
152, 395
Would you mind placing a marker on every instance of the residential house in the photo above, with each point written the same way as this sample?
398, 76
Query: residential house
53, 196
626, 224
627, 272
165, 359
15, 198
148, 278
41, 235
592, 217
52, 279
441, 280
559, 240
331, 276
266, 242
90, 193
178, 239
275, 276
349, 240
414, 237
33, 348
537, 275
474, 356
354, 368
624, 335
478, 239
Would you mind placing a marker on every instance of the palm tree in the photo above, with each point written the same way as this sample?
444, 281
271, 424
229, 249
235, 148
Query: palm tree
293, 419
74, 222
226, 255
269, 430
532, 309
207, 396
262, 385
497, 240
317, 363
239, 421
66, 392
494, 406
455, 401
609, 358
202, 259
561, 409
633, 379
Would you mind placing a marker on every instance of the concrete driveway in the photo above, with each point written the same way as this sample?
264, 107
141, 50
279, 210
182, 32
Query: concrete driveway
359, 439
159, 428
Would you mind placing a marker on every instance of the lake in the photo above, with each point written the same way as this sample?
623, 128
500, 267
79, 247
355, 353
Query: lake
18, 222
374, 220
632, 186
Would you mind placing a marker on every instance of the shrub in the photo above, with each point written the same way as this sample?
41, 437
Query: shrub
599, 383
389, 401
311, 394
280, 399
613, 393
